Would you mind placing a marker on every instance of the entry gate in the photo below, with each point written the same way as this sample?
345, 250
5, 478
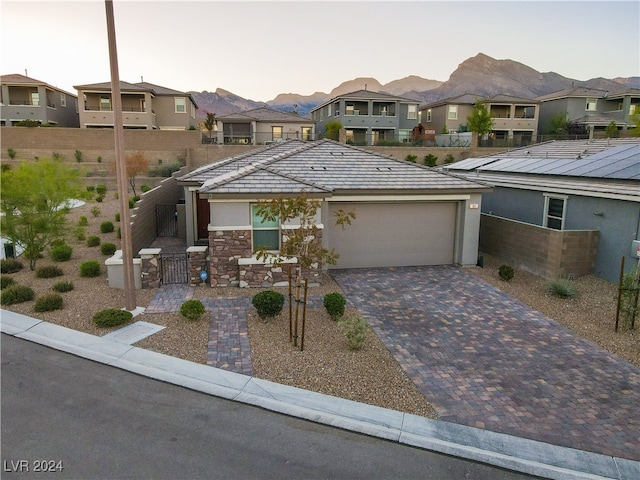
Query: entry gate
174, 268
166, 221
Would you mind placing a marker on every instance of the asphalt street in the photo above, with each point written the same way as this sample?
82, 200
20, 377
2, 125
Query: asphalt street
67, 417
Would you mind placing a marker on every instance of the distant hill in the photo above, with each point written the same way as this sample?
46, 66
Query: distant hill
481, 74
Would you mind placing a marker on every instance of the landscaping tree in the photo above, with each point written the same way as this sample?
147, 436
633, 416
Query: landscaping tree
611, 130
332, 130
210, 122
300, 242
558, 124
635, 119
137, 164
480, 120
34, 198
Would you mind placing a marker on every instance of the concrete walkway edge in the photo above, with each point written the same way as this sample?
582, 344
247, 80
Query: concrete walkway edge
506, 451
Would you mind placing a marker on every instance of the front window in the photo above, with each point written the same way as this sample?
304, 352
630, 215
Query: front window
276, 133
453, 112
105, 102
349, 109
554, 208
181, 105
35, 99
428, 115
413, 112
265, 233
63, 100
306, 133
591, 105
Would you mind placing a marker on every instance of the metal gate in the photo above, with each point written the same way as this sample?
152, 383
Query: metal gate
174, 268
166, 221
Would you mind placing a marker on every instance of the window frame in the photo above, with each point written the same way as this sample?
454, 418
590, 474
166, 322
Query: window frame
412, 112
270, 227
275, 136
429, 115
63, 100
589, 102
177, 101
452, 112
105, 101
548, 197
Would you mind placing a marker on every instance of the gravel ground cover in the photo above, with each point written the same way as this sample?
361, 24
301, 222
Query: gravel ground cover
326, 365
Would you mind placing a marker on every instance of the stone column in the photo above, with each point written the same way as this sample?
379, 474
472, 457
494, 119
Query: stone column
197, 265
150, 268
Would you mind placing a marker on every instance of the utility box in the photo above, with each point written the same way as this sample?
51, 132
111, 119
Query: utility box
635, 248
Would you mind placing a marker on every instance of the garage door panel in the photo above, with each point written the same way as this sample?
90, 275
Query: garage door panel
395, 234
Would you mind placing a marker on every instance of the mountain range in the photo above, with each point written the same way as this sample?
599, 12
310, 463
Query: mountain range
480, 75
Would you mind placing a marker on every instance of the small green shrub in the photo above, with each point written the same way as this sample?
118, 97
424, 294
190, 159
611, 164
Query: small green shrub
49, 271
95, 211
63, 287
111, 317
11, 152
83, 221
78, 155
90, 268
356, 330
132, 203
268, 303
16, 294
107, 227
99, 159
48, 302
334, 303
6, 282
91, 188
99, 199
164, 170
430, 160
449, 158
10, 265
93, 241
117, 216
119, 233
101, 189
57, 241
561, 288
61, 253
57, 156
145, 188
135, 198
192, 310
108, 248
411, 158
80, 234
506, 272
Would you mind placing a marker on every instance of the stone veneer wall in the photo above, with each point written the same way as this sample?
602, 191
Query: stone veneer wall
540, 250
225, 248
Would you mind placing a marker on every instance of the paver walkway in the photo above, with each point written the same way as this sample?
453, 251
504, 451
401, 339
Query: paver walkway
486, 360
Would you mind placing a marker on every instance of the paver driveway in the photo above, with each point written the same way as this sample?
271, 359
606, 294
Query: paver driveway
486, 360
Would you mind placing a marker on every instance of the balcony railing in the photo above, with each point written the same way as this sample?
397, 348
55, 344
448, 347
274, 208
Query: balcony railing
89, 108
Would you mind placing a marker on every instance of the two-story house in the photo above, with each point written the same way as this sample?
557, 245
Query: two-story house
24, 98
515, 120
144, 106
262, 126
369, 118
590, 109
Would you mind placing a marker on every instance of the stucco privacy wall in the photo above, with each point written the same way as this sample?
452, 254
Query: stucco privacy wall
540, 250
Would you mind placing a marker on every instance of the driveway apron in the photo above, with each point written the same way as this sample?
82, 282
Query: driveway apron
486, 360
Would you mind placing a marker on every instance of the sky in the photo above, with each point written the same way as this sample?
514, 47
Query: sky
260, 49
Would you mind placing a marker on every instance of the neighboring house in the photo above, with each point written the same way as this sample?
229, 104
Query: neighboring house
144, 106
590, 109
406, 214
262, 126
25, 98
369, 118
561, 208
515, 120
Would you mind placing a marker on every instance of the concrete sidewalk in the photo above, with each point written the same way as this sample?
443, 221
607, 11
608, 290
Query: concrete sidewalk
506, 451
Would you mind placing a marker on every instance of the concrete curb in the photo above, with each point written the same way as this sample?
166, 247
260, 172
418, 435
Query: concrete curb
506, 451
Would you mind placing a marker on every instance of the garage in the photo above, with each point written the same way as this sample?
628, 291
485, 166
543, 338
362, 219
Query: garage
394, 234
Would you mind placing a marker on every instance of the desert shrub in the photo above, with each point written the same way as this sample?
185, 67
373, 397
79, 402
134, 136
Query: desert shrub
61, 253
108, 248
629, 298
411, 158
449, 158
192, 310
356, 330
268, 303
6, 282
95, 211
119, 233
57, 241
506, 272
111, 317
164, 170
117, 216
145, 188
49, 271
11, 152
93, 241
107, 227
83, 221
561, 288
90, 268
63, 286
101, 189
334, 303
10, 265
135, 198
91, 188
48, 302
99, 159
16, 294
430, 160
99, 199
78, 156
132, 203
80, 233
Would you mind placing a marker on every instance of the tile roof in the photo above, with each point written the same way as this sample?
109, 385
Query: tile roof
18, 79
322, 166
264, 114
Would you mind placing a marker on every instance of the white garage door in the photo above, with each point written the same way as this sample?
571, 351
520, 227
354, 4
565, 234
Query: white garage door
394, 234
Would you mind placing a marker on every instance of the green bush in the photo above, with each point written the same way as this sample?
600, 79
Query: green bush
11, 152
48, 302
80, 233
356, 330
49, 271
107, 227
83, 221
111, 317
119, 233
145, 188
506, 272
164, 170
91, 188
93, 241
16, 294
61, 253
63, 286
561, 288
10, 265
90, 268
78, 155
411, 158
108, 248
268, 303
6, 282
430, 160
95, 211
192, 309
117, 216
101, 189
449, 158
99, 199
334, 303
